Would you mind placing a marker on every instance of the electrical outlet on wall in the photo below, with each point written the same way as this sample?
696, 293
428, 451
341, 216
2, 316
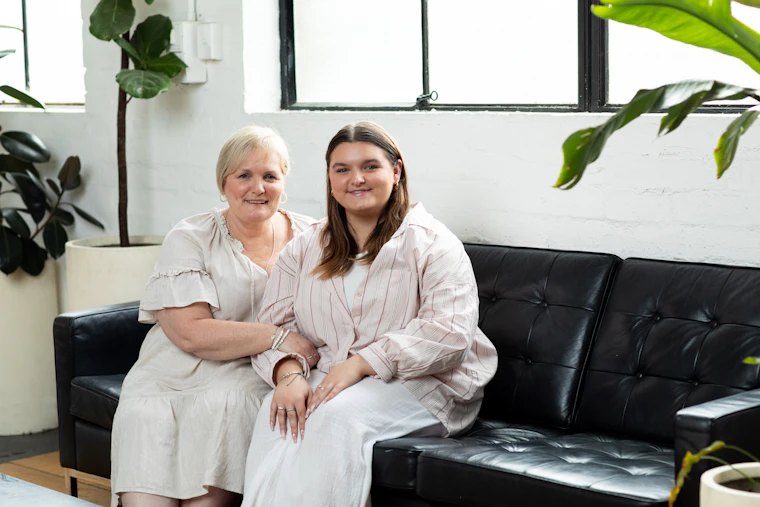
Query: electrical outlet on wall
195, 43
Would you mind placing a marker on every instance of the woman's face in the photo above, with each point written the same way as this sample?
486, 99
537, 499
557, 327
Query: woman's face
255, 188
362, 178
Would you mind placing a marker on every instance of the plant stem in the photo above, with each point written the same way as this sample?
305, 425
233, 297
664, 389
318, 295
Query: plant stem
50, 216
121, 152
729, 465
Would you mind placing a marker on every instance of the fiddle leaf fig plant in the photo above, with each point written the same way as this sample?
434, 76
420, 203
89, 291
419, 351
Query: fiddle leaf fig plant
146, 47
705, 23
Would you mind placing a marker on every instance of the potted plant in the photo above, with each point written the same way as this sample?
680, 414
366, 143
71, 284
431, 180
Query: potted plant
709, 25
96, 274
30, 211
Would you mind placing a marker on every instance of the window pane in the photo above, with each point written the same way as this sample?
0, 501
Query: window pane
56, 68
641, 58
11, 66
499, 52
350, 51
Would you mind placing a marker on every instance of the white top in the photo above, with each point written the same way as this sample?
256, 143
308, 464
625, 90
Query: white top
354, 277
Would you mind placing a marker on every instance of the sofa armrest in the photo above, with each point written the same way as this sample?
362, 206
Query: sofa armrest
98, 341
734, 419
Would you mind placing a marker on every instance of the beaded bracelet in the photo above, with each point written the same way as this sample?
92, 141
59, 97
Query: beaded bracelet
280, 339
298, 373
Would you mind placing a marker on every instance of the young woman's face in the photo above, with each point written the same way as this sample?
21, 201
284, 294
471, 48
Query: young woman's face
362, 178
255, 188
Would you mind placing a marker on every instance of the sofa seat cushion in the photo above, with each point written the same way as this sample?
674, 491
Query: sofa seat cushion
94, 398
394, 463
572, 470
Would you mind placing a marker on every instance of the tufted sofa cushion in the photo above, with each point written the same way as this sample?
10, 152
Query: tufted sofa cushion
572, 470
540, 309
673, 335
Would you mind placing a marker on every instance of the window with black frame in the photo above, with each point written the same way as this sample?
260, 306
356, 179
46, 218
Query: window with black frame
41, 50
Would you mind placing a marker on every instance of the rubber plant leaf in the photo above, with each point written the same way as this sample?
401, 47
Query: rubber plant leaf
703, 23
32, 195
82, 213
55, 238
111, 18
16, 223
25, 146
34, 257
679, 99
21, 96
11, 251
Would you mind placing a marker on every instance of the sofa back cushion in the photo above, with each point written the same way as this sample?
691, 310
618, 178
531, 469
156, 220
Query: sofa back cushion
672, 335
540, 309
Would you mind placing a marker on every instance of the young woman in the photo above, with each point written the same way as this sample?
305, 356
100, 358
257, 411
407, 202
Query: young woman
387, 295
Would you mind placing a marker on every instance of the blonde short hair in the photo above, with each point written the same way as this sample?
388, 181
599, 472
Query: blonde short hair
246, 141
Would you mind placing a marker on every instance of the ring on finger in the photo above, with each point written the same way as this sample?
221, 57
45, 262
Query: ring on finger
280, 408
309, 357
320, 386
290, 410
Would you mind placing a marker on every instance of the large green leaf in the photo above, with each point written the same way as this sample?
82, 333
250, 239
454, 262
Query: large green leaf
13, 165
25, 146
69, 173
34, 257
704, 23
131, 51
32, 195
751, 3
55, 238
21, 96
82, 213
143, 84
64, 217
584, 146
169, 64
11, 251
16, 223
151, 37
111, 18
729, 141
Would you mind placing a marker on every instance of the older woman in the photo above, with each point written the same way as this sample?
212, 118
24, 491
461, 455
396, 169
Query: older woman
188, 405
388, 295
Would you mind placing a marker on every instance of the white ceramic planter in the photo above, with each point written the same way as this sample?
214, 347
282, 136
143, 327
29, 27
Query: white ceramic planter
28, 306
99, 272
713, 494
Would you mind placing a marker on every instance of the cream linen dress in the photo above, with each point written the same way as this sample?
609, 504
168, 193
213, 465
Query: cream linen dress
185, 423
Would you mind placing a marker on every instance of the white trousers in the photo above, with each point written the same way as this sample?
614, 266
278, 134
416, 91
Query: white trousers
332, 465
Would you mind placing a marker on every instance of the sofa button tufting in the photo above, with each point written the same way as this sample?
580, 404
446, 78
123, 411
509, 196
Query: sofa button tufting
527, 360
639, 375
544, 304
493, 299
695, 383
714, 323
657, 318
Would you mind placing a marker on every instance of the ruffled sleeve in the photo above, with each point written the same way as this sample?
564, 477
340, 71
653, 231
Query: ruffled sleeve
179, 278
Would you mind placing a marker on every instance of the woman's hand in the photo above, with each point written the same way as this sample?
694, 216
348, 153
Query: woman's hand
289, 401
297, 344
342, 376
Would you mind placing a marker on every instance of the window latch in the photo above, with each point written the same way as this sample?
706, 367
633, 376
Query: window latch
424, 99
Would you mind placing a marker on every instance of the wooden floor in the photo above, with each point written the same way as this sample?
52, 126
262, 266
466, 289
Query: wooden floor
45, 470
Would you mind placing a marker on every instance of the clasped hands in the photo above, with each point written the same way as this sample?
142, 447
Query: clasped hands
294, 401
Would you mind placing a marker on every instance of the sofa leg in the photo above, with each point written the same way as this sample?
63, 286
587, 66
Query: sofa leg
71, 482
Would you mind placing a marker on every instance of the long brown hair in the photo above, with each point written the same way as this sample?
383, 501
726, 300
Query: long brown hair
339, 249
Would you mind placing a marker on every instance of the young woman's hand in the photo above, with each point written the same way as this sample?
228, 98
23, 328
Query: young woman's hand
342, 376
289, 401
297, 344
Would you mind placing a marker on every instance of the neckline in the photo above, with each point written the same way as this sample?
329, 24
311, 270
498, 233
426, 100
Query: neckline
221, 221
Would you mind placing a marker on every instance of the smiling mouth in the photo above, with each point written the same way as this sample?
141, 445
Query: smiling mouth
256, 201
359, 192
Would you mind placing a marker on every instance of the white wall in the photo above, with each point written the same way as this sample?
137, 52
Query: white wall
488, 176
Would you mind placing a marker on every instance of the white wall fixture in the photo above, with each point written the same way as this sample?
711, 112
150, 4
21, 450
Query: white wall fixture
28, 306
99, 272
196, 43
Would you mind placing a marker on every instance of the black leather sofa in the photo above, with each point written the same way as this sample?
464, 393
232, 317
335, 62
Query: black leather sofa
609, 371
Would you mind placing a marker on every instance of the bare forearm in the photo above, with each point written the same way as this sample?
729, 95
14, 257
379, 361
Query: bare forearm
223, 340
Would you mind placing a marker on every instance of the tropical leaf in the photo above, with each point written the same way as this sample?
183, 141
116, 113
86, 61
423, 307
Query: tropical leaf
53, 186
143, 84
25, 146
21, 96
169, 64
13, 165
32, 195
679, 99
131, 51
111, 18
16, 223
11, 251
69, 173
151, 37
703, 23
82, 213
729, 141
55, 238
33, 257
63, 216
